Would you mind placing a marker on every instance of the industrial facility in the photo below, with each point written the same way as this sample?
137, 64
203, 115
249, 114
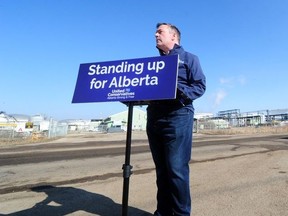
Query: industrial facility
235, 118
19, 125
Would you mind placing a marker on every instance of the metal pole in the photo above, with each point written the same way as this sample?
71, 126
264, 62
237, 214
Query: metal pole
127, 167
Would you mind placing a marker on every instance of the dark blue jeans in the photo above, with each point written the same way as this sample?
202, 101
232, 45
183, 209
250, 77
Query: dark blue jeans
170, 139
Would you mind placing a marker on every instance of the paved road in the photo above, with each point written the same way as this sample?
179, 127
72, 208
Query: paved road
65, 150
230, 175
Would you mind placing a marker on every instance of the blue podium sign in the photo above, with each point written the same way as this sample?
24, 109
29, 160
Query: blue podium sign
143, 79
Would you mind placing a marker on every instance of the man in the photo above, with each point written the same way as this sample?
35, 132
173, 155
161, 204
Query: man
170, 127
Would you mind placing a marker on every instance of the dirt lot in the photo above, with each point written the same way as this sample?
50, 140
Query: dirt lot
243, 174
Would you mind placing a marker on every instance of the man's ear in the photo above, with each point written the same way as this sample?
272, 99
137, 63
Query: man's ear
174, 38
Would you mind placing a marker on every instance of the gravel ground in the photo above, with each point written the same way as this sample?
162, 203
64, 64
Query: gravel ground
226, 179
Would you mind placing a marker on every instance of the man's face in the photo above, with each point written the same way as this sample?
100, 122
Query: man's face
165, 38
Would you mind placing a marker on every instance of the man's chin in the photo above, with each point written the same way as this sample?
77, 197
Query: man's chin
159, 46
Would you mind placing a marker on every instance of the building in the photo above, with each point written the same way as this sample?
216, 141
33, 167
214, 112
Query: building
78, 124
254, 118
14, 125
119, 120
16, 122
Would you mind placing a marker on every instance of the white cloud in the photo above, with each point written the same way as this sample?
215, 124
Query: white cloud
227, 83
232, 81
226, 80
220, 95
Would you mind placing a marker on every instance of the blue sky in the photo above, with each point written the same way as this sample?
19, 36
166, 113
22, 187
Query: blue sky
242, 46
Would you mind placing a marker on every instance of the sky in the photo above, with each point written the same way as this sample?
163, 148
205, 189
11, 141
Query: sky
242, 46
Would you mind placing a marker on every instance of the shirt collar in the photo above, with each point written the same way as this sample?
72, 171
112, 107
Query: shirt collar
162, 53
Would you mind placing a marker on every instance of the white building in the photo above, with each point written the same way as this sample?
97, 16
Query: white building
120, 120
40, 123
78, 124
17, 122
203, 115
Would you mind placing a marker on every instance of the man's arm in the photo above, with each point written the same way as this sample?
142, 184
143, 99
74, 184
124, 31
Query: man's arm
196, 80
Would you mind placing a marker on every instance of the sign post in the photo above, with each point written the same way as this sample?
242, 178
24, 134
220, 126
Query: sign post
133, 82
127, 167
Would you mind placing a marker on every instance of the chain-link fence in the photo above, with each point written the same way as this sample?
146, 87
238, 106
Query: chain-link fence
9, 134
221, 126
